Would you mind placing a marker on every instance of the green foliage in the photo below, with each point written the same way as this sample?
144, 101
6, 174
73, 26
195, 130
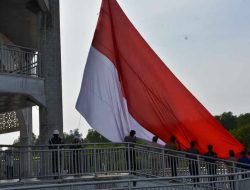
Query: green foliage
68, 138
35, 140
94, 137
243, 135
238, 126
243, 119
228, 120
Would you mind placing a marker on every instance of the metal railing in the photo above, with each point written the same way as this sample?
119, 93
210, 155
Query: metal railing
58, 161
19, 60
163, 162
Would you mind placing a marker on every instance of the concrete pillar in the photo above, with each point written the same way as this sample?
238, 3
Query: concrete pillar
51, 116
26, 140
26, 127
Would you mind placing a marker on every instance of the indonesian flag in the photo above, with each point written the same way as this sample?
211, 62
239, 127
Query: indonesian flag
126, 86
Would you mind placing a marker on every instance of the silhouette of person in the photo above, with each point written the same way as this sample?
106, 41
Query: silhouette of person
130, 154
173, 161
193, 164
155, 156
244, 162
211, 159
76, 155
131, 139
55, 140
230, 168
9, 160
154, 141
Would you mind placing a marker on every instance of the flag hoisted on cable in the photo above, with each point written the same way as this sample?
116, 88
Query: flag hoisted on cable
126, 86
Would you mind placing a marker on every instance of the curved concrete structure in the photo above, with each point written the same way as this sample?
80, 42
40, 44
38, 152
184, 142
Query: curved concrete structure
20, 91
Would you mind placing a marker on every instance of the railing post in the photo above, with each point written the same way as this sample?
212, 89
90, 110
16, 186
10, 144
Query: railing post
58, 162
198, 164
19, 158
1, 54
234, 169
128, 158
130, 184
62, 160
236, 183
39, 65
163, 163
95, 161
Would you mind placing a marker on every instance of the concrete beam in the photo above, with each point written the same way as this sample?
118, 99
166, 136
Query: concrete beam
18, 91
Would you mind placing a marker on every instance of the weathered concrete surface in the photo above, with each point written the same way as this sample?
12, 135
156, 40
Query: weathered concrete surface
51, 116
102, 182
18, 91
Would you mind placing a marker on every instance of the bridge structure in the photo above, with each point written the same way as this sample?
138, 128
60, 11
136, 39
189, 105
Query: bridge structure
116, 166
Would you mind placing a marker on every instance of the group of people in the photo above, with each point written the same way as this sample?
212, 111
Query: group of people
56, 143
192, 153
170, 150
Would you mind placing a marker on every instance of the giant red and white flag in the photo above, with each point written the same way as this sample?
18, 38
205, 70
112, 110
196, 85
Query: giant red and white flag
127, 86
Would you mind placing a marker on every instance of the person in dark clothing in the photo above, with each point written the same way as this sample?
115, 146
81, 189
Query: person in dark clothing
244, 162
76, 155
154, 155
55, 140
193, 164
231, 169
130, 154
9, 160
211, 165
172, 145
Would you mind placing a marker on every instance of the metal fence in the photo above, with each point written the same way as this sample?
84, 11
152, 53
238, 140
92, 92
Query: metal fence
162, 162
19, 60
60, 161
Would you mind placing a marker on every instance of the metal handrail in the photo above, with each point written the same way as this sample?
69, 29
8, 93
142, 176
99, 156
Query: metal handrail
19, 60
118, 158
177, 153
20, 47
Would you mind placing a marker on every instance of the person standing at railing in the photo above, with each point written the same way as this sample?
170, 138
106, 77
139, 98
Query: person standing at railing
155, 164
211, 159
232, 159
130, 154
231, 166
131, 139
244, 162
9, 161
173, 161
193, 164
56, 155
76, 155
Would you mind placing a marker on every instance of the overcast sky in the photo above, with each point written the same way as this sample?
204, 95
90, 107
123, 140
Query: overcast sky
206, 44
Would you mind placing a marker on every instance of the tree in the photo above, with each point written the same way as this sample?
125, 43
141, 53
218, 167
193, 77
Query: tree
94, 137
35, 140
242, 134
69, 138
243, 119
228, 120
